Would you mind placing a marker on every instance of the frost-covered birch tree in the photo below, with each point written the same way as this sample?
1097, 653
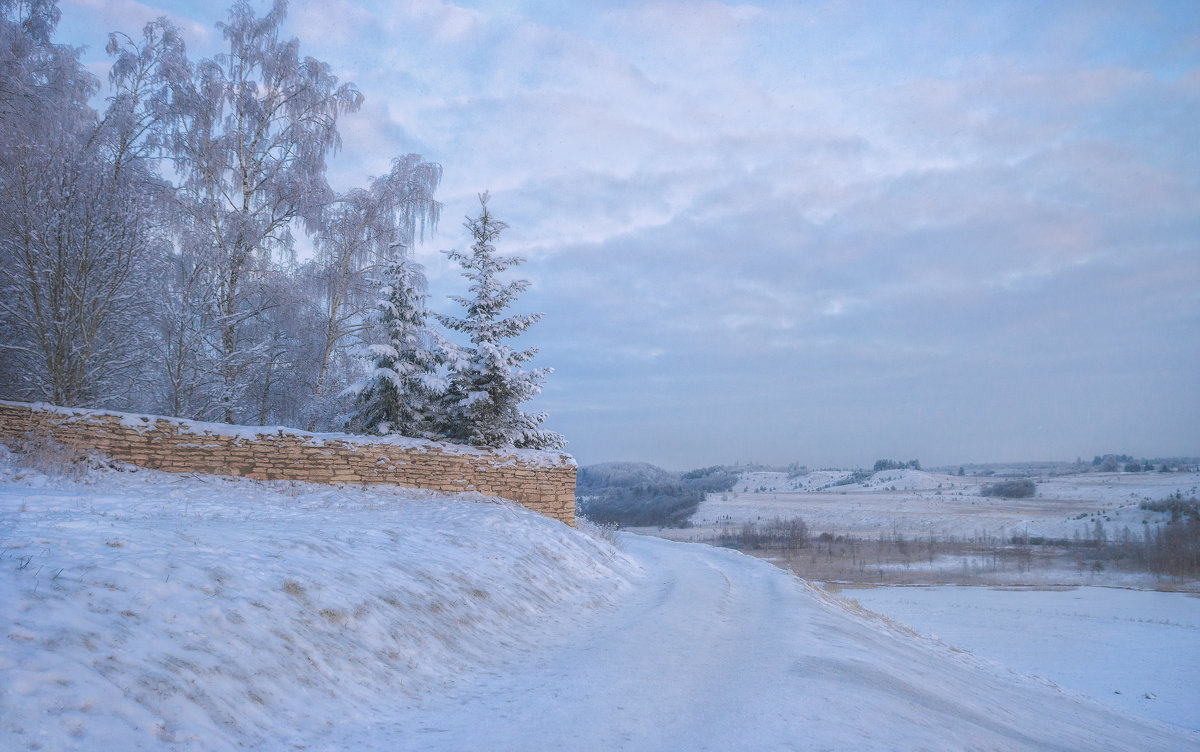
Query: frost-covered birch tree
72, 242
75, 230
250, 132
403, 393
138, 115
185, 385
359, 232
122, 288
489, 384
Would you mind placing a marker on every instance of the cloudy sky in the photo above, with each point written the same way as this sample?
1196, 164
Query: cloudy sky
824, 232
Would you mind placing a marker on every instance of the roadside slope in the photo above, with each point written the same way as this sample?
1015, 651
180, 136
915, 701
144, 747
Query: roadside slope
717, 650
146, 611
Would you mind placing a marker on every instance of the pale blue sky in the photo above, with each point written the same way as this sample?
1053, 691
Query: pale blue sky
822, 232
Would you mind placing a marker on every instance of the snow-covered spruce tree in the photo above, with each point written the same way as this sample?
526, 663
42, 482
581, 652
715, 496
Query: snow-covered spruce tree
358, 235
405, 387
488, 384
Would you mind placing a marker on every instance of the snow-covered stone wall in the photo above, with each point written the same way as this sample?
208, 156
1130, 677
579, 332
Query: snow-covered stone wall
539, 480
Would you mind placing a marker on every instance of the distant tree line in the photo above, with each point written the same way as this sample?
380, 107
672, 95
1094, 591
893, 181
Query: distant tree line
148, 251
778, 533
896, 465
1111, 463
1174, 548
1179, 507
1171, 548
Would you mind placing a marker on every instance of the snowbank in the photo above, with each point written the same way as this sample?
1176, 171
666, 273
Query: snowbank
719, 651
213, 612
1135, 651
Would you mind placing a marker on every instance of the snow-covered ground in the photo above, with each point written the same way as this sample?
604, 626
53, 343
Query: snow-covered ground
718, 651
1135, 650
834, 480
147, 611
764, 482
142, 608
917, 503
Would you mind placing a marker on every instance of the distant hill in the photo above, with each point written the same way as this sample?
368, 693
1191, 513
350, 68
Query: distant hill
638, 494
624, 474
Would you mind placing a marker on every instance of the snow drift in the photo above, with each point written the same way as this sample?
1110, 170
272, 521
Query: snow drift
144, 608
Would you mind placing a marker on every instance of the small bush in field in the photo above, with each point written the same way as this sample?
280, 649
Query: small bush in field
1010, 489
1174, 548
43, 454
1178, 507
777, 533
606, 532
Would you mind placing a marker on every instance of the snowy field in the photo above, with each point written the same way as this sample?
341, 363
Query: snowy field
149, 611
916, 503
1135, 651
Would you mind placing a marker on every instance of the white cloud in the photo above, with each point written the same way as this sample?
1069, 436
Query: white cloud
445, 22
340, 23
129, 16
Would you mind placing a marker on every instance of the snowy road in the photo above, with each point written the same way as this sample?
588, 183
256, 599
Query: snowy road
721, 651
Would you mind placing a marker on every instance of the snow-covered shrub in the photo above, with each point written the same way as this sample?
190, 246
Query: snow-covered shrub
777, 533
44, 456
1010, 489
605, 532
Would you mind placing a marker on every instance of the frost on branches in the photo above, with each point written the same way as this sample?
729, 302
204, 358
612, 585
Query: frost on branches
147, 251
405, 389
489, 384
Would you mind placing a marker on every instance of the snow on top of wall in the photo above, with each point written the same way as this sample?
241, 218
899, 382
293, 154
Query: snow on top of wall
142, 423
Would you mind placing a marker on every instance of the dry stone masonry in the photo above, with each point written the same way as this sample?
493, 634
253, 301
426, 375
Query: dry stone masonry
539, 480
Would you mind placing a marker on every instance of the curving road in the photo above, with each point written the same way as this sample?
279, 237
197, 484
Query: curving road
719, 651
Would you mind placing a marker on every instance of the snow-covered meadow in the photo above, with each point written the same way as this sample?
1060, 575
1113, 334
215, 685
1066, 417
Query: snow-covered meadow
1134, 650
917, 527
918, 503
150, 611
